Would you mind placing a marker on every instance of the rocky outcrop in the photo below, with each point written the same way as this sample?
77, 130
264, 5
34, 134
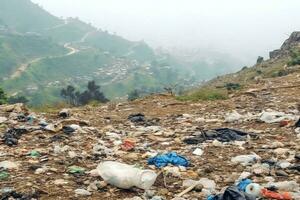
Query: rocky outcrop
292, 42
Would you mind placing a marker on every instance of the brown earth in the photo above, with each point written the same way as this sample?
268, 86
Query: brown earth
279, 94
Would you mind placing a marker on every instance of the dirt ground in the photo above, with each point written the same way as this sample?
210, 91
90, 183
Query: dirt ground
175, 121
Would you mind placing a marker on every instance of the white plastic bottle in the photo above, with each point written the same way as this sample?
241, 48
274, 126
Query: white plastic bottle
126, 176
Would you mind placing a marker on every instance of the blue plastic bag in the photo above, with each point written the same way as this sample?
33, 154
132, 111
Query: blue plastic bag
169, 158
243, 184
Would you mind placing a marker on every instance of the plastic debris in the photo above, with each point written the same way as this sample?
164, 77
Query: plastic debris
3, 119
276, 117
233, 116
274, 195
4, 175
128, 145
297, 123
169, 158
64, 113
34, 154
198, 152
246, 159
76, 170
135, 118
82, 192
243, 184
12, 136
8, 165
253, 189
221, 134
232, 193
126, 176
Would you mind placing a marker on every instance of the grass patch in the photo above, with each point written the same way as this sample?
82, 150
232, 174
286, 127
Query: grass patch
205, 94
50, 108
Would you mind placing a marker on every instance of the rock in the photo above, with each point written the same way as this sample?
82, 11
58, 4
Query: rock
260, 169
244, 175
9, 165
233, 116
208, 184
3, 119
217, 143
54, 127
82, 192
60, 182
281, 173
173, 170
284, 164
64, 113
93, 186
149, 194
157, 198
41, 170
269, 179
281, 151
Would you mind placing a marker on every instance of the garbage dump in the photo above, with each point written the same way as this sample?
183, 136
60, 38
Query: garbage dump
157, 148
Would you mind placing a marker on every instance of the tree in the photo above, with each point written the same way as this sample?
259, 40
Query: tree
69, 94
77, 98
3, 97
259, 60
133, 95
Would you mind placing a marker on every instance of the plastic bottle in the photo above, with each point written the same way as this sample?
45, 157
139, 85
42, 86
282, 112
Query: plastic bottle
126, 176
253, 189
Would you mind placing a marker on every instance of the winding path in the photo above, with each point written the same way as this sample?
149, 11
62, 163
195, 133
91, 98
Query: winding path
72, 51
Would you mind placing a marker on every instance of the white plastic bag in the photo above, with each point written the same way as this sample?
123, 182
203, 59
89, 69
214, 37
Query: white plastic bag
246, 159
126, 176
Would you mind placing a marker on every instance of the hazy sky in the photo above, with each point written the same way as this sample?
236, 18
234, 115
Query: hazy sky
245, 28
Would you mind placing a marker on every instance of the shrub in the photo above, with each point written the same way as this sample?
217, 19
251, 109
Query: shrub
295, 58
133, 95
17, 99
259, 60
205, 94
3, 97
232, 86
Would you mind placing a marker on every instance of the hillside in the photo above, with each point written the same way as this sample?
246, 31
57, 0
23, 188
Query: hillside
19, 49
283, 61
74, 52
24, 16
43, 58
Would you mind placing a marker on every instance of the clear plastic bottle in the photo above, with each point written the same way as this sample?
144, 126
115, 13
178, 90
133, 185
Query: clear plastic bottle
126, 176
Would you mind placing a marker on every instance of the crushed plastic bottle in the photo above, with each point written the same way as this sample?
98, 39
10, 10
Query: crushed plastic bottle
126, 176
246, 159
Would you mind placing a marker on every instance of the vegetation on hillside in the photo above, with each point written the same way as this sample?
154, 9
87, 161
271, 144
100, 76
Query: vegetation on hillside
77, 98
16, 49
3, 97
25, 16
295, 57
205, 94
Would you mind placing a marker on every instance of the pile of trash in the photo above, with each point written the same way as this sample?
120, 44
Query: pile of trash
156, 149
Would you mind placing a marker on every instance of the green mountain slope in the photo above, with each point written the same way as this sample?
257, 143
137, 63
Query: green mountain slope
17, 49
24, 16
72, 30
